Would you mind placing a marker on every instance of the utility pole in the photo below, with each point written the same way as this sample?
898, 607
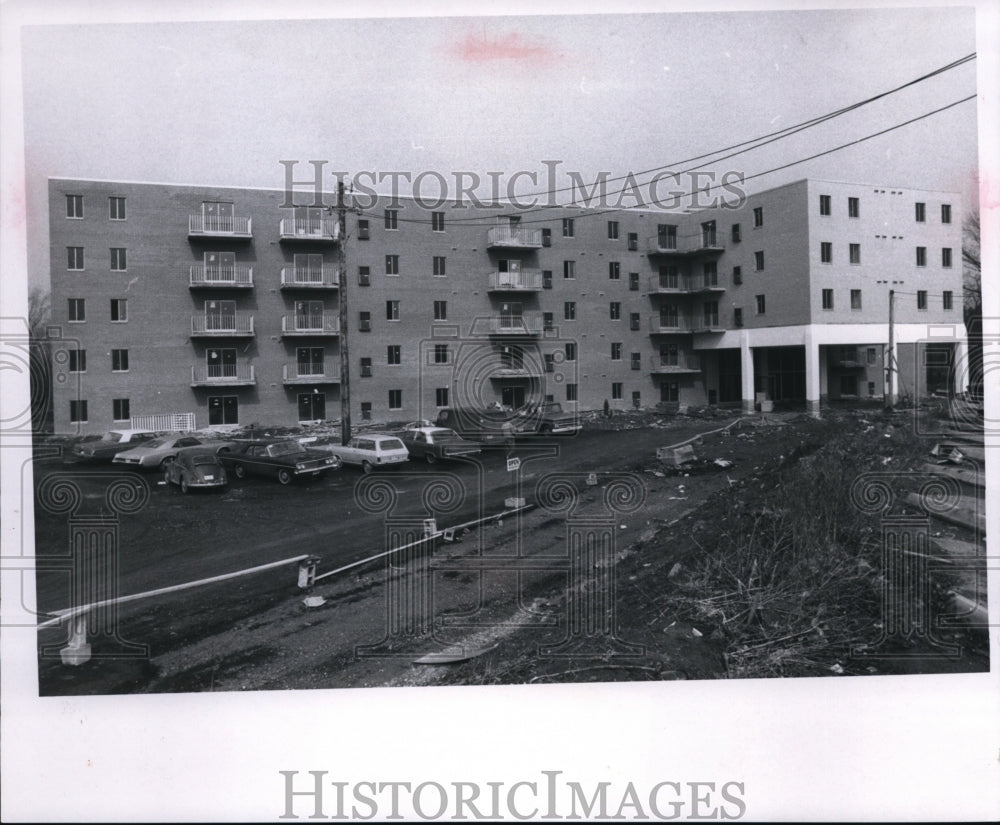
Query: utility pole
890, 361
345, 362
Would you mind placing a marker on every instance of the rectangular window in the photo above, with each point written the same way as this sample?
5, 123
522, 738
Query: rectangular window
616, 311
758, 261
550, 362
737, 233
737, 275
737, 316
394, 355
74, 206
439, 266
548, 320
437, 221
567, 227
946, 299
636, 399
617, 391
761, 305
392, 310
824, 204
78, 360
119, 360
633, 281
855, 253
546, 279
612, 230
945, 213
570, 351
827, 299
363, 233
118, 259
569, 269
946, 257
546, 236
826, 252
616, 351
364, 276
871, 355
119, 310
120, 409
74, 257
920, 210
571, 392
569, 310
758, 216
853, 208
614, 270
366, 367
636, 360
633, 241
395, 399
116, 209
77, 412
366, 410
921, 256
634, 321
391, 219
441, 354
666, 236
855, 299
77, 309
392, 264
440, 310
921, 299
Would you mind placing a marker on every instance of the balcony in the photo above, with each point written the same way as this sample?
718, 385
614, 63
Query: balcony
513, 237
524, 280
220, 226
310, 374
223, 375
703, 243
667, 365
324, 324
324, 230
239, 276
669, 325
237, 325
293, 277
516, 325
685, 285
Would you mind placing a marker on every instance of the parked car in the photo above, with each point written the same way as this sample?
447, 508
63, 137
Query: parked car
157, 451
371, 450
436, 443
110, 444
486, 427
195, 468
416, 425
547, 418
283, 460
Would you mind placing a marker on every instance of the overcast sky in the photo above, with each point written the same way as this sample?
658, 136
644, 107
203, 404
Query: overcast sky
223, 102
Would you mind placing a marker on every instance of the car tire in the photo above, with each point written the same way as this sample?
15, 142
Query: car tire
166, 477
367, 466
166, 461
285, 476
240, 471
184, 486
430, 458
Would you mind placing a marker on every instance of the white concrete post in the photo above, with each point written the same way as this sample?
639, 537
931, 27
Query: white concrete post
812, 373
746, 372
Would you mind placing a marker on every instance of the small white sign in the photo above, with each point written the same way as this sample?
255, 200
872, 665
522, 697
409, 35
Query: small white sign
513, 464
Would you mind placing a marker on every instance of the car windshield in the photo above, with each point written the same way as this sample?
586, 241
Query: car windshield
285, 448
203, 458
114, 437
156, 442
391, 444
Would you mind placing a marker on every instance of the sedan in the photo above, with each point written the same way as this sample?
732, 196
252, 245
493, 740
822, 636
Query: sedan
110, 444
195, 468
435, 443
371, 451
283, 460
159, 451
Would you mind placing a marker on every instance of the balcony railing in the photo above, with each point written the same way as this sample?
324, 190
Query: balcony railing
309, 229
319, 324
237, 325
673, 365
514, 236
516, 325
310, 373
231, 375
685, 284
669, 324
239, 276
524, 280
227, 226
293, 277
701, 243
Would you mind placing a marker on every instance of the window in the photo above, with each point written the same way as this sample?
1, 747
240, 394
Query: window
616, 351
117, 259
77, 412
567, 227
946, 299
569, 310
761, 305
550, 362
439, 266
392, 310
546, 236
366, 410
824, 204
737, 233
363, 233
437, 221
827, 299
636, 399
569, 269
74, 257
391, 219
77, 309
666, 236
74, 206
441, 397
670, 392
737, 316
848, 385
920, 210
571, 392
945, 213
364, 276
394, 355
612, 230
392, 264
548, 320
120, 409
365, 321
758, 216
634, 321
366, 367
633, 241
758, 261
855, 253
826, 252
633, 281
570, 350
440, 310
871, 356
922, 299
546, 279
614, 270
617, 391
119, 360
636, 360
78, 360
853, 208
309, 360
946, 257
855, 299
119, 310
395, 399
441, 354
616, 311
921, 256
737, 275
116, 209
871, 389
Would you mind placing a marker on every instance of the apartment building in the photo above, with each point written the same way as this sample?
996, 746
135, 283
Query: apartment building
222, 306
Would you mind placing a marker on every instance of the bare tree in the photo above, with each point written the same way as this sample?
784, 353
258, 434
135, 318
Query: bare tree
971, 267
39, 312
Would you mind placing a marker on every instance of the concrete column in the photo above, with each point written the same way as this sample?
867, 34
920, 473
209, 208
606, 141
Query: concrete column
812, 373
746, 372
960, 366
